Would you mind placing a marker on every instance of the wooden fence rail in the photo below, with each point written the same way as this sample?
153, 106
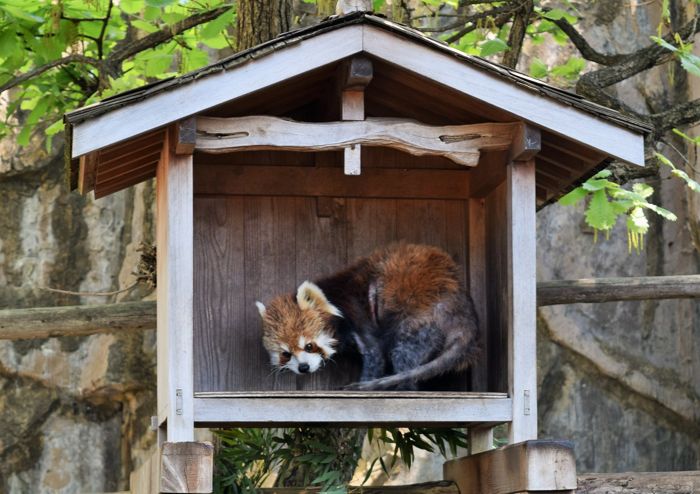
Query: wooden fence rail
81, 320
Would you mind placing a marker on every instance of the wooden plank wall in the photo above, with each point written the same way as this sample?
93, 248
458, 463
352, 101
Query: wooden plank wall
250, 248
497, 288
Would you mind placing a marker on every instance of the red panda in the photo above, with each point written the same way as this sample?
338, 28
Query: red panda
402, 309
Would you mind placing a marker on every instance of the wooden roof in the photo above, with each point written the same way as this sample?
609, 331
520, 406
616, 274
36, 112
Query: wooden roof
414, 76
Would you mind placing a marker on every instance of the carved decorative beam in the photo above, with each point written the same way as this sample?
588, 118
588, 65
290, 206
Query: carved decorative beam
459, 143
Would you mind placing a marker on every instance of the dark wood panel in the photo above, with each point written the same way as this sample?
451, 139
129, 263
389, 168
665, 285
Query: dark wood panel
321, 250
497, 288
270, 269
219, 292
330, 182
254, 248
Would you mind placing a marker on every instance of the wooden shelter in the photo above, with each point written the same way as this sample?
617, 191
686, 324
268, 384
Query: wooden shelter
287, 161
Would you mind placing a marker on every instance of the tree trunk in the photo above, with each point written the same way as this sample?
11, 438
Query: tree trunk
262, 20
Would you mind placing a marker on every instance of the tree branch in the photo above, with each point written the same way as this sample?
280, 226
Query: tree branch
639, 61
677, 116
517, 33
40, 70
584, 48
123, 52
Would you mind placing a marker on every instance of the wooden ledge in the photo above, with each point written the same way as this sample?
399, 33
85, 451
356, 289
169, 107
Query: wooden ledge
524, 467
459, 143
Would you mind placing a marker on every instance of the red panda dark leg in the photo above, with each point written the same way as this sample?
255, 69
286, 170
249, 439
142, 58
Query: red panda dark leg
373, 362
413, 347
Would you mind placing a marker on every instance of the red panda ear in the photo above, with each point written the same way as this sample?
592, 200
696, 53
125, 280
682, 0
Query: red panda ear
310, 296
261, 308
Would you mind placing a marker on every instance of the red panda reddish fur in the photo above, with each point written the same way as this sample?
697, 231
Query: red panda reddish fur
403, 309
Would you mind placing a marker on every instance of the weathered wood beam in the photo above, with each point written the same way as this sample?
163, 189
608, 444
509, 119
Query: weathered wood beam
324, 181
459, 143
597, 290
186, 467
81, 320
76, 320
639, 483
523, 467
186, 134
87, 172
527, 142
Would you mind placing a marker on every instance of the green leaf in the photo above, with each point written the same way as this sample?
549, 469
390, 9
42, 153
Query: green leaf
215, 27
573, 197
147, 27
538, 68
557, 14
600, 213
493, 46
694, 186
664, 213
662, 42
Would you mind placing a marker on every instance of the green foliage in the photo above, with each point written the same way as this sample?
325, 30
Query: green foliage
608, 201
684, 52
66, 46
326, 457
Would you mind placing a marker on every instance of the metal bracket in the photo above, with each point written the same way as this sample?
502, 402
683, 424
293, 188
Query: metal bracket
178, 401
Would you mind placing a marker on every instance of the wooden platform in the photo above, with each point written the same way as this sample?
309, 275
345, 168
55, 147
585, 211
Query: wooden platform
350, 408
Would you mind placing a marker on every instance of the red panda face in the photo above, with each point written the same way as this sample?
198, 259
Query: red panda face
297, 333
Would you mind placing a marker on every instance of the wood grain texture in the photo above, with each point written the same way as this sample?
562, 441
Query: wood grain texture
76, 320
522, 300
174, 234
187, 467
331, 182
442, 68
477, 285
207, 92
347, 410
459, 143
597, 290
87, 171
219, 289
496, 271
639, 483
529, 466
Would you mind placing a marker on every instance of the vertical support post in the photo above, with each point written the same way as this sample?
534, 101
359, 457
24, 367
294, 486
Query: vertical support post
522, 304
175, 239
354, 76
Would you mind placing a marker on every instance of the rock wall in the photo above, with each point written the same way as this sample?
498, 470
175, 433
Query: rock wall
622, 380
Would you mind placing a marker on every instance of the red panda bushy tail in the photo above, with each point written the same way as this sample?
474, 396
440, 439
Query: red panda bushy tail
458, 355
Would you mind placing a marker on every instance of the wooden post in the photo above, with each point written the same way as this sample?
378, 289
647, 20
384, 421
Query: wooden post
532, 466
174, 198
522, 302
357, 73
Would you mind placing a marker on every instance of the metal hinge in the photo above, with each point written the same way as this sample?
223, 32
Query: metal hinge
178, 401
526, 402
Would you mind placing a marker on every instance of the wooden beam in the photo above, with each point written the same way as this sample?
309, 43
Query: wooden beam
598, 290
166, 107
460, 143
186, 131
448, 67
527, 142
87, 172
175, 272
438, 487
639, 483
356, 74
82, 320
76, 320
350, 408
531, 466
522, 286
331, 182
187, 467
